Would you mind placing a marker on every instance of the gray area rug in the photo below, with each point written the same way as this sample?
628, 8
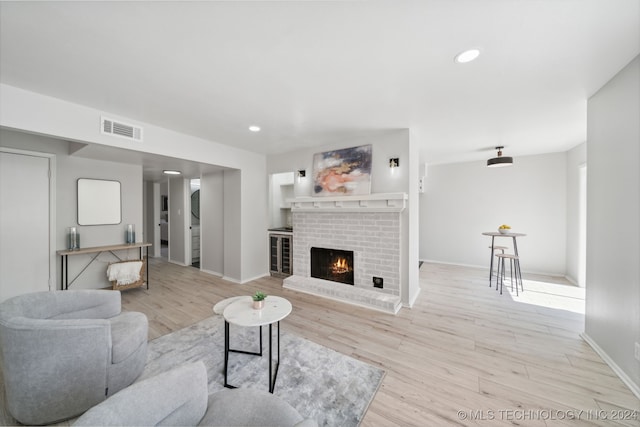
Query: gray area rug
320, 383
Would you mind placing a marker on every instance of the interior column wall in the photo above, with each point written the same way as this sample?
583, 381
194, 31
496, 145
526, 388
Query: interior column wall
232, 226
212, 223
576, 159
178, 219
612, 322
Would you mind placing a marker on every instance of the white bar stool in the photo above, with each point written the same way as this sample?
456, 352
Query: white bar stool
514, 271
493, 249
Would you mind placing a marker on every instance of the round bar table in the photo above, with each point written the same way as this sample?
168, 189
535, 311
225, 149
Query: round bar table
242, 313
495, 234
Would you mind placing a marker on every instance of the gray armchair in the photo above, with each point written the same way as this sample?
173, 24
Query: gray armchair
62, 352
179, 397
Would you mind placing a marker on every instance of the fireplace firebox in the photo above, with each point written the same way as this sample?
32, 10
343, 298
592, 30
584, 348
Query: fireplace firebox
332, 264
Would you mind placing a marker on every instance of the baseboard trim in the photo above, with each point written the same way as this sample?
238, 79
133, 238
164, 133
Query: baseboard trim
571, 280
213, 273
433, 261
255, 278
413, 300
242, 282
635, 388
486, 267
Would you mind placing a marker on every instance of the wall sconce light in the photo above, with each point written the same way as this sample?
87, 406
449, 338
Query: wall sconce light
394, 162
302, 173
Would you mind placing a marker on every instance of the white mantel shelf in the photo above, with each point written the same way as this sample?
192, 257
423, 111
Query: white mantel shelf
380, 202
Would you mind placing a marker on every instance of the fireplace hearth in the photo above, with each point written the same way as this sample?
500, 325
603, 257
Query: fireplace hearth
332, 264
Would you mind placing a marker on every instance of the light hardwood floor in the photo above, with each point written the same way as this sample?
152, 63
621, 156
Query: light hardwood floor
463, 355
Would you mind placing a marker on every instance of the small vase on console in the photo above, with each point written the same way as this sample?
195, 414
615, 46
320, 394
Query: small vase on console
73, 239
130, 233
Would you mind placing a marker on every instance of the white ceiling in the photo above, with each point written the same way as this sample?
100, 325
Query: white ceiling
313, 72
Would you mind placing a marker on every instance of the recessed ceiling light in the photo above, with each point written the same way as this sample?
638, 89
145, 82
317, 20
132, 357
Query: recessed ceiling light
467, 56
254, 128
171, 172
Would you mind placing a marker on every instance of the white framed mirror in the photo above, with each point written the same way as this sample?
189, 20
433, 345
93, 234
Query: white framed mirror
99, 202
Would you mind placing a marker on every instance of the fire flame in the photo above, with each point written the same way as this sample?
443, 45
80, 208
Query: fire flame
340, 266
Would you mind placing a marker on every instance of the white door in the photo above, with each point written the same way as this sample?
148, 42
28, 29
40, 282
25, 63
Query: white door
25, 255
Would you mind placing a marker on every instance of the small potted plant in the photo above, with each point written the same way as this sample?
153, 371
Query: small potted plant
258, 300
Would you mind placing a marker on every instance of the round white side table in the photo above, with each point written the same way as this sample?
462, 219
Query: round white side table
241, 312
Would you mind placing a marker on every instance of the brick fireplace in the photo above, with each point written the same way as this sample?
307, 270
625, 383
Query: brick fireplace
368, 227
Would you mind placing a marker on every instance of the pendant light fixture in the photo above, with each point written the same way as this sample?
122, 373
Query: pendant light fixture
500, 161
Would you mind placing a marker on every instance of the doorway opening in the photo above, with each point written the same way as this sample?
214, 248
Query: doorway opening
280, 192
195, 222
164, 220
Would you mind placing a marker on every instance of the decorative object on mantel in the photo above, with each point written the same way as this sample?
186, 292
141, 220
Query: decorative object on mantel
130, 234
258, 300
73, 239
344, 172
500, 161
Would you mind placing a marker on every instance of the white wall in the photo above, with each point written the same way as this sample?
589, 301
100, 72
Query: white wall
36, 113
69, 169
412, 287
179, 218
612, 321
212, 223
385, 145
254, 220
463, 200
233, 234
576, 160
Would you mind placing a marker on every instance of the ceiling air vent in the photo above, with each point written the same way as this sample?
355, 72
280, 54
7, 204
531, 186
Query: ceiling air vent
123, 130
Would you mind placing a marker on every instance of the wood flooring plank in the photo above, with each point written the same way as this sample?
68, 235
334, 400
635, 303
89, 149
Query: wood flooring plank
462, 347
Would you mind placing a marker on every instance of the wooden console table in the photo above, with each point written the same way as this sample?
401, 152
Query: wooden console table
97, 250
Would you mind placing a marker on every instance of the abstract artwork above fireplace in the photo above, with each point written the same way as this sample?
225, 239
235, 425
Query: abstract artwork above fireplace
344, 172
